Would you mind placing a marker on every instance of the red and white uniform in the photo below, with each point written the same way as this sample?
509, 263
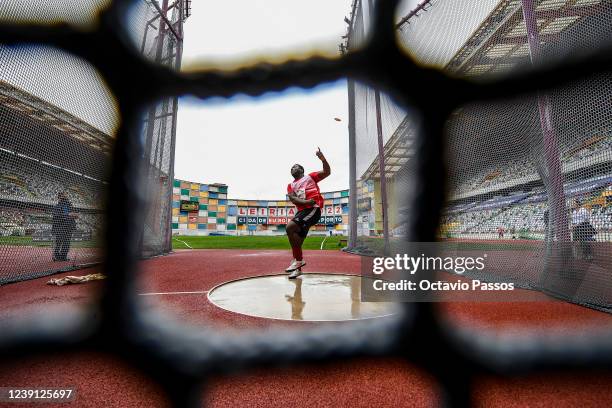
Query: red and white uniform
307, 188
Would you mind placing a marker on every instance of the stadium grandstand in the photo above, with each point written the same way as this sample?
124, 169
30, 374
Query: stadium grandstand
56, 143
514, 198
518, 170
41, 155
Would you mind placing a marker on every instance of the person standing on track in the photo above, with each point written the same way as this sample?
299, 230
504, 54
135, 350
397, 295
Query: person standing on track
583, 231
63, 224
304, 193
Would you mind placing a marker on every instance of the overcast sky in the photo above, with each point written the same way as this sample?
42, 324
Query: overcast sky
250, 144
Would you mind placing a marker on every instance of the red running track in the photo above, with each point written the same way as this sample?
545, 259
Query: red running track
38, 260
102, 380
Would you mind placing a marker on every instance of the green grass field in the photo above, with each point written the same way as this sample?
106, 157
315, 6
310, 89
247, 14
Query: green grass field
210, 242
280, 242
252, 242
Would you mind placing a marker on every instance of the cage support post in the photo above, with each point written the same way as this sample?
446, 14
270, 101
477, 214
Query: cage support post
381, 169
556, 194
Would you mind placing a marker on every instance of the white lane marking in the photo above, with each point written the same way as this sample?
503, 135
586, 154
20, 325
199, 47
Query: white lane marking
280, 253
174, 293
184, 243
323, 243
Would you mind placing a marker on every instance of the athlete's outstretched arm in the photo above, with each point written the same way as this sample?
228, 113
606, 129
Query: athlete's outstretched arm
326, 169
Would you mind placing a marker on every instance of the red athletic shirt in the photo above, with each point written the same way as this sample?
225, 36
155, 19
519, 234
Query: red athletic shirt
307, 188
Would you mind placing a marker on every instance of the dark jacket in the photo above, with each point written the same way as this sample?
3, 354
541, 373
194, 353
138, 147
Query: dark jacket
62, 221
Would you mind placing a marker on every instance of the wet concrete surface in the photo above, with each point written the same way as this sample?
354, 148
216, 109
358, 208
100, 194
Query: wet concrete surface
310, 297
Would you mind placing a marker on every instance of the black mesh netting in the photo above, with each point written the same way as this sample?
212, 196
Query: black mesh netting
57, 128
183, 358
529, 177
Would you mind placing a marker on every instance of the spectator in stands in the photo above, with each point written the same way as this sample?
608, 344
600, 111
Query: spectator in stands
500, 232
63, 224
582, 229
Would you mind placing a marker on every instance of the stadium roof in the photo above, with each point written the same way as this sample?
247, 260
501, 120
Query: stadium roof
496, 46
35, 129
50, 115
500, 42
397, 152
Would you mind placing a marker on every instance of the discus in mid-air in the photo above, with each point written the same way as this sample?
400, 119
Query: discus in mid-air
304, 192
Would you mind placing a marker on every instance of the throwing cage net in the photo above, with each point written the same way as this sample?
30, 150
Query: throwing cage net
530, 176
184, 359
57, 125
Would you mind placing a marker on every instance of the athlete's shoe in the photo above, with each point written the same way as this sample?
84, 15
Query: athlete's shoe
295, 273
295, 265
291, 268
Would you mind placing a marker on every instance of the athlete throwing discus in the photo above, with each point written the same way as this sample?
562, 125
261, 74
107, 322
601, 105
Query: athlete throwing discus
304, 192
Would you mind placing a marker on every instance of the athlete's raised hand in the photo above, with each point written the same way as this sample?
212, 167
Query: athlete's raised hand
319, 154
326, 169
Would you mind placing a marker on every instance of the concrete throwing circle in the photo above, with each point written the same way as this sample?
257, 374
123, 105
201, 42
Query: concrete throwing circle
311, 297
